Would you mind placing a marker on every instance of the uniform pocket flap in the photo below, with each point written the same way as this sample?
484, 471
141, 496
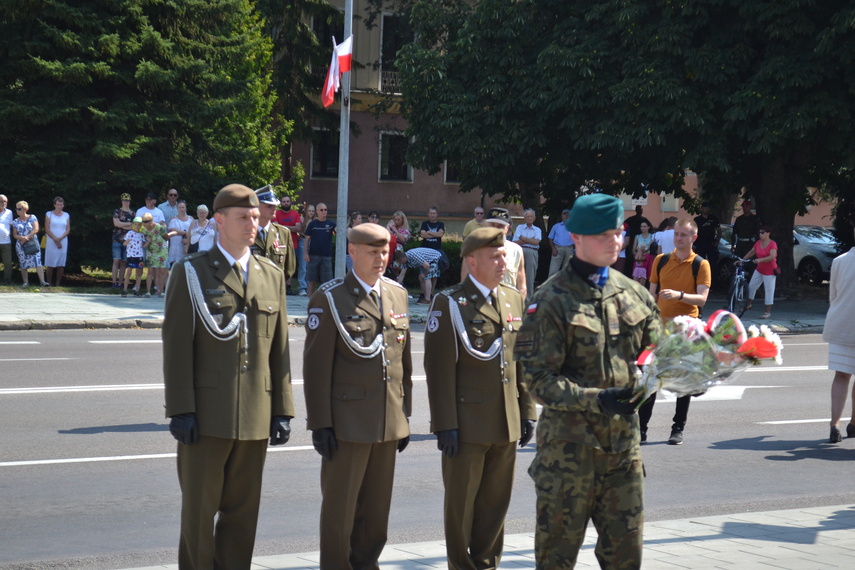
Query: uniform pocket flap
348, 392
635, 314
586, 321
268, 306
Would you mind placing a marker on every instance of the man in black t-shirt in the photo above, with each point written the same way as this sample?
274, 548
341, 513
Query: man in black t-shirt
709, 234
745, 230
432, 230
633, 228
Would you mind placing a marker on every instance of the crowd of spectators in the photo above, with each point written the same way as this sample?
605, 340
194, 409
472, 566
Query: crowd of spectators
24, 230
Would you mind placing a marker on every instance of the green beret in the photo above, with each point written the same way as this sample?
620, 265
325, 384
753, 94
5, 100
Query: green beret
235, 195
482, 237
368, 234
594, 214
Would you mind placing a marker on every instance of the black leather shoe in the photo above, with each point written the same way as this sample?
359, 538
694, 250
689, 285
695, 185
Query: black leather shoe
850, 430
835, 436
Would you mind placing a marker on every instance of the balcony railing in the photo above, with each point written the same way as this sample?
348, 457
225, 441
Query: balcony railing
389, 82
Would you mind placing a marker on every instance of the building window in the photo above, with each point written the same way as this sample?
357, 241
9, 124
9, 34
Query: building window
452, 173
393, 150
395, 33
325, 30
325, 155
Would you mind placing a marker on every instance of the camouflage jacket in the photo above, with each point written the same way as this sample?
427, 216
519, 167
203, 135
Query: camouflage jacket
575, 340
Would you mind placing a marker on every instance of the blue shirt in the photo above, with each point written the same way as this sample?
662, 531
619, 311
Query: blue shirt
321, 237
559, 235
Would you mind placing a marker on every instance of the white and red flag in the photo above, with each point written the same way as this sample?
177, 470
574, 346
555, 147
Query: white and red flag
342, 58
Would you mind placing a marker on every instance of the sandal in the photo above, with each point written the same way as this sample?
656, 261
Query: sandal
766, 316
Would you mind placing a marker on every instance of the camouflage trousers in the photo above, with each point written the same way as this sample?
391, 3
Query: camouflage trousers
575, 483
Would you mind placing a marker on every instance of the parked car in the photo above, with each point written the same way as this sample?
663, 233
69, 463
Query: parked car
813, 249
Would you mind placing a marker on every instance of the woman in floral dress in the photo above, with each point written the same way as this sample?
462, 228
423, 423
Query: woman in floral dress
26, 228
157, 252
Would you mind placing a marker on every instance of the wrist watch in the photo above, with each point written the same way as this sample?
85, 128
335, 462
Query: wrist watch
681, 295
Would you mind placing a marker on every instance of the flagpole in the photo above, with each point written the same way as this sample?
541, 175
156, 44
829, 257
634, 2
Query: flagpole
343, 156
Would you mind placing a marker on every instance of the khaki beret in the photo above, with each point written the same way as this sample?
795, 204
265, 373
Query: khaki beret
482, 237
594, 214
368, 234
235, 195
147, 218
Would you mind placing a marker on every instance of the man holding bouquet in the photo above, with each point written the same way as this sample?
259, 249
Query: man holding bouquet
579, 340
680, 281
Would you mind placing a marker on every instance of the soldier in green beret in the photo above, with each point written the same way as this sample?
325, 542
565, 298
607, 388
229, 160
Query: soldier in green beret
478, 405
583, 330
227, 383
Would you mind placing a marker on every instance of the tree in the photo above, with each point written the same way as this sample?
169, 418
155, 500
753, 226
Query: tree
99, 98
536, 97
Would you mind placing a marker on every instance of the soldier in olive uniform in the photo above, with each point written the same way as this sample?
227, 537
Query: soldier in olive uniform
273, 241
227, 381
583, 331
479, 405
357, 380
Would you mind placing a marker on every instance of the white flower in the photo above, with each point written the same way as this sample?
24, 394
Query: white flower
753, 331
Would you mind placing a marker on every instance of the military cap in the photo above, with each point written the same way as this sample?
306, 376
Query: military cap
499, 216
368, 234
266, 196
482, 237
594, 214
235, 195
147, 217
125, 196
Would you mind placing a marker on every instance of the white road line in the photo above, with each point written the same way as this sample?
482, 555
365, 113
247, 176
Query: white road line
784, 422
125, 341
20, 342
31, 359
125, 457
805, 344
115, 387
785, 368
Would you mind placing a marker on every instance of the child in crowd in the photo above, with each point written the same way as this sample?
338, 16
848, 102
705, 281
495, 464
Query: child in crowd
134, 244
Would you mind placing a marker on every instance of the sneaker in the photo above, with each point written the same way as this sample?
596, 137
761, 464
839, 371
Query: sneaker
137, 294
303, 294
422, 301
147, 295
124, 293
643, 435
289, 292
676, 437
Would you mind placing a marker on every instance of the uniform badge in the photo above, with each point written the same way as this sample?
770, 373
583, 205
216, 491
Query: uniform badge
462, 301
531, 309
314, 322
433, 325
401, 337
479, 342
512, 318
276, 244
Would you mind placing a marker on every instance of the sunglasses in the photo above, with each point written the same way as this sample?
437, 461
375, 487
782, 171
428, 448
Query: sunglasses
172, 195
322, 209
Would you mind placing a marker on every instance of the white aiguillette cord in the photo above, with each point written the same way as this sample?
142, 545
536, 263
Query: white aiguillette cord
197, 299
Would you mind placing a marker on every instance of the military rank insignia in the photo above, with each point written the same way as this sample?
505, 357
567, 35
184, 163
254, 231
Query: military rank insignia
462, 301
401, 337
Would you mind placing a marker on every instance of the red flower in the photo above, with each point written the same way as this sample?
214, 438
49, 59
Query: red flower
758, 348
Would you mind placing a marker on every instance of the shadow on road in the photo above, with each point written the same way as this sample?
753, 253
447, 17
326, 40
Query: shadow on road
130, 428
790, 450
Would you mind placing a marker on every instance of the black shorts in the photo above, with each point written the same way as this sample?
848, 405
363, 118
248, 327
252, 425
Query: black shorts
136, 262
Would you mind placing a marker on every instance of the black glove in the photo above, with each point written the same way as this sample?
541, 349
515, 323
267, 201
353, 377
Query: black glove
527, 428
325, 442
616, 401
403, 443
184, 428
280, 430
446, 442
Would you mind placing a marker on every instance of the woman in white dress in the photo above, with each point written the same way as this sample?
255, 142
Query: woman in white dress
203, 232
57, 228
178, 227
839, 333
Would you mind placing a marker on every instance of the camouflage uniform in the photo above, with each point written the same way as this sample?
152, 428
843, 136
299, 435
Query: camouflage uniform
576, 340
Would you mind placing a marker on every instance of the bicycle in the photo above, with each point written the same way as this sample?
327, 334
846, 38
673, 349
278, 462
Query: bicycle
737, 293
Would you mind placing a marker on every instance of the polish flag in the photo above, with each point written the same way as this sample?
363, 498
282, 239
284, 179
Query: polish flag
342, 58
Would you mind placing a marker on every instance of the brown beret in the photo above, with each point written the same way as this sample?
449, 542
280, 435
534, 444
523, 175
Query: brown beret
235, 195
368, 234
482, 237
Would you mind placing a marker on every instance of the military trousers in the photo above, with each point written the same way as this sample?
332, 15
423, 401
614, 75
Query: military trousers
478, 483
357, 493
219, 478
576, 483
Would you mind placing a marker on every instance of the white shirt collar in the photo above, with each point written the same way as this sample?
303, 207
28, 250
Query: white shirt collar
368, 288
484, 291
244, 260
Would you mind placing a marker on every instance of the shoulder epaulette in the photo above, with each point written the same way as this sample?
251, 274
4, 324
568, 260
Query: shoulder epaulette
452, 290
264, 260
280, 226
330, 284
391, 282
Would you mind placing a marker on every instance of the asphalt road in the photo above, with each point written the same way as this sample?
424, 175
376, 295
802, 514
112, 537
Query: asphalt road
87, 472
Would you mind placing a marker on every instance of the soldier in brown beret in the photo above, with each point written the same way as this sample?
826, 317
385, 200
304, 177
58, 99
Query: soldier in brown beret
227, 383
479, 407
357, 380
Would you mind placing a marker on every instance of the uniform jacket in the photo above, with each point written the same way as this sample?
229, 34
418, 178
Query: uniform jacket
278, 247
576, 340
484, 399
233, 394
365, 400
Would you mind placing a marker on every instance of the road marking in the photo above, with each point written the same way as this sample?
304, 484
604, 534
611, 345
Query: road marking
785, 368
20, 342
124, 457
805, 344
784, 422
125, 341
716, 393
115, 387
31, 359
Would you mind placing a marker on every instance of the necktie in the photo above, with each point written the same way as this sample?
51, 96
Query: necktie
375, 298
263, 235
495, 295
238, 271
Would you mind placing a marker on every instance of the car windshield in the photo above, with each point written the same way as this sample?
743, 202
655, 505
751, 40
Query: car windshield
816, 234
